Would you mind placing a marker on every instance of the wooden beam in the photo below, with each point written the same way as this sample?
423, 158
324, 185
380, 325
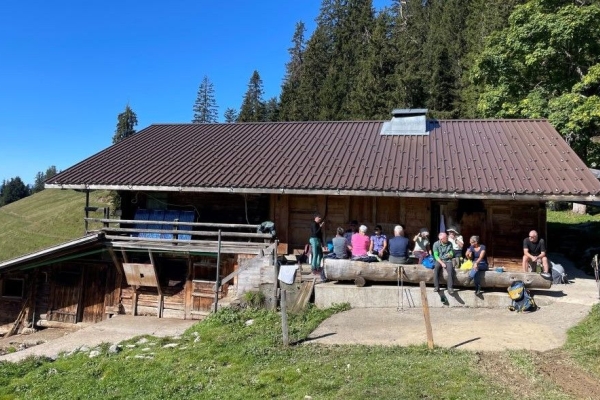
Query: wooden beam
426, 315
115, 260
348, 270
160, 293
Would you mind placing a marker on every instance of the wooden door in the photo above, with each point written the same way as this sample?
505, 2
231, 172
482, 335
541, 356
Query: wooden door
92, 304
65, 293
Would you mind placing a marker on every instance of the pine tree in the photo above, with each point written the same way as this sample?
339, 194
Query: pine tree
13, 190
230, 116
126, 122
290, 109
253, 105
38, 183
205, 107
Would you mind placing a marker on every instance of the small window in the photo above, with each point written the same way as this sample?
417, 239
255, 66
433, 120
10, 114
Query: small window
13, 288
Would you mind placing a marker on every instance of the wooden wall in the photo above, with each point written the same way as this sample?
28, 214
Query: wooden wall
293, 215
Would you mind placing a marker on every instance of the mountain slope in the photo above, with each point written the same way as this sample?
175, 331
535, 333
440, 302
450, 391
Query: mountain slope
45, 219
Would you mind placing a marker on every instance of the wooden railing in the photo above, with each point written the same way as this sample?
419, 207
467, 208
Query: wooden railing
235, 238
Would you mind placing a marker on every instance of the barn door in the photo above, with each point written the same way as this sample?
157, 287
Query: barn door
92, 304
65, 294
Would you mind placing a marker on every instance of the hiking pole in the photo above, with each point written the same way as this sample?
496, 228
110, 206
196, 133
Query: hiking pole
400, 279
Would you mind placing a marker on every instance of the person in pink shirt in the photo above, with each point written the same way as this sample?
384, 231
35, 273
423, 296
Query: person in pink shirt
360, 242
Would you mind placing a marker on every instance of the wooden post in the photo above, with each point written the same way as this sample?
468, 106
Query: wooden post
87, 204
275, 275
218, 278
426, 314
284, 320
158, 288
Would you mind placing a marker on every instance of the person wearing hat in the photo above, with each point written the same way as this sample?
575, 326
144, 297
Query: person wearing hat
456, 239
379, 243
421, 249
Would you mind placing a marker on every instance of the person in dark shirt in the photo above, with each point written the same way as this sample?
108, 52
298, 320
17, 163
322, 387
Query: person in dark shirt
534, 252
316, 243
398, 246
351, 230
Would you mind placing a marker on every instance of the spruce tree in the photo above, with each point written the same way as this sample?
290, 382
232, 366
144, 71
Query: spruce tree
126, 122
230, 115
253, 105
205, 107
290, 107
13, 190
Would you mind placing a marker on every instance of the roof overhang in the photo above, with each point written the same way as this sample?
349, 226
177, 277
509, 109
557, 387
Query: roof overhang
50, 254
337, 192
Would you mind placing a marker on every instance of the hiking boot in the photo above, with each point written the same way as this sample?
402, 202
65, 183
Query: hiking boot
450, 291
436, 289
478, 290
546, 275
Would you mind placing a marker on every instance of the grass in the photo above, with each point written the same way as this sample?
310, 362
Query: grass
44, 219
223, 357
226, 357
583, 342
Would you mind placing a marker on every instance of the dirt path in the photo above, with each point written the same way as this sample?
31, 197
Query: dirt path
551, 367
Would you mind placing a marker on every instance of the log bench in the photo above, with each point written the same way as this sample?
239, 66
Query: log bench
362, 272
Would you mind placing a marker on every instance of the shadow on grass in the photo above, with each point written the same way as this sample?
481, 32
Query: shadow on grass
311, 338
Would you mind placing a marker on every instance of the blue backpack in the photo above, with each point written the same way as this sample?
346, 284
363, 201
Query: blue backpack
521, 298
428, 262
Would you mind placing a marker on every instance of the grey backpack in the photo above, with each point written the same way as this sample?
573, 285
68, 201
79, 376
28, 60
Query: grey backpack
558, 274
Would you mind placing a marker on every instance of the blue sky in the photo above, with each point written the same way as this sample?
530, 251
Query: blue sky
68, 68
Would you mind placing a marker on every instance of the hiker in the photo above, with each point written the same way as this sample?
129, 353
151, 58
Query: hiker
534, 253
398, 246
421, 249
456, 239
476, 252
443, 254
316, 243
353, 228
360, 243
341, 247
378, 243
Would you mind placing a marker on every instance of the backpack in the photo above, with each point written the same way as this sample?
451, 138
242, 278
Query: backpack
558, 274
428, 262
521, 298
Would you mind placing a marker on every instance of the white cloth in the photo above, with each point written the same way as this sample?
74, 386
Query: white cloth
287, 273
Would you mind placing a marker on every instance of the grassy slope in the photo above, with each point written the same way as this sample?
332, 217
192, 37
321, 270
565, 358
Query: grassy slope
44, 219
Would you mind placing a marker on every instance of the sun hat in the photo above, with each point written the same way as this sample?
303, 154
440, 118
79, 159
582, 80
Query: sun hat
451, 229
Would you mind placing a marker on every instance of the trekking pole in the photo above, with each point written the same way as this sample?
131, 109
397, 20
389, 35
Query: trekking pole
400, 279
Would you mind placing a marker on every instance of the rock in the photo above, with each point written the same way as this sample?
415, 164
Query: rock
142, 341
114, 349
170, 345
94, 353
84, 349
249, 322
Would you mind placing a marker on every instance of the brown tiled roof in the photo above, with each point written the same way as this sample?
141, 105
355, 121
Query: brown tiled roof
459, 158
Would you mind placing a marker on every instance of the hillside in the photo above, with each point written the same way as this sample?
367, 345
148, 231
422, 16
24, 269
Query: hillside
44, 219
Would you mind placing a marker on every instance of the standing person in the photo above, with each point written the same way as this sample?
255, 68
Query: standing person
316, 243
477, 253
534, 252
341, 247
360, 243
421, 249
443, 254
398, 246
456, 239
379, 243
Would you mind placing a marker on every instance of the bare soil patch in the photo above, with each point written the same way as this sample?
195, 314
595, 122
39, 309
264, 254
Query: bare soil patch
553, 366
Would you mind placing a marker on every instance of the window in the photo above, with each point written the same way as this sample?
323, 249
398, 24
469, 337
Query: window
13, 287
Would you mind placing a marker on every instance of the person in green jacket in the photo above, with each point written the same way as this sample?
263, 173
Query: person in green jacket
443, 254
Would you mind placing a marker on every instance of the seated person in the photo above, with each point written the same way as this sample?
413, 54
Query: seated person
421, 249
398, 246
534, 252
456, 239
360, 243
378, 245
477, 253
443, 254
351, 230
341, 247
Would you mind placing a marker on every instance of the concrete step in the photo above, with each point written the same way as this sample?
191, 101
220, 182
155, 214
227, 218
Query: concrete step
409, 296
